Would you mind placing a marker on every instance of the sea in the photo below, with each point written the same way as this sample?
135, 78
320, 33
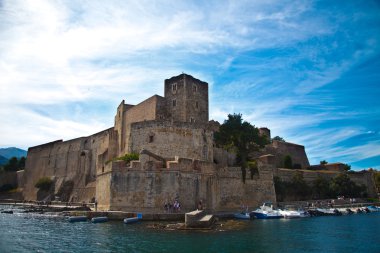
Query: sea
31, 232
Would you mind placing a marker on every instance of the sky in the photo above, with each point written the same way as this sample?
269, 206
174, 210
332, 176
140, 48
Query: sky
308, 70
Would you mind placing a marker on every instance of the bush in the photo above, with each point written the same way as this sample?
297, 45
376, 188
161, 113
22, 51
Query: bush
288, 162
129, 157
44, 183
7, 187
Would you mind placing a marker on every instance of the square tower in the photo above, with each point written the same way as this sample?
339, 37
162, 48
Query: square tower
187, 99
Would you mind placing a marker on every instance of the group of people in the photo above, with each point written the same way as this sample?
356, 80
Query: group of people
170, 208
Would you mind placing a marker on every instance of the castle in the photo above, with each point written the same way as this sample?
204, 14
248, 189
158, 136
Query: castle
178, 159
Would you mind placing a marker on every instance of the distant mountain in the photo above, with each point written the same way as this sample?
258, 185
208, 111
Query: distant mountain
3, 160
11, 152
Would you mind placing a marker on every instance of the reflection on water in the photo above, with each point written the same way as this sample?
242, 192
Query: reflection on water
27, 232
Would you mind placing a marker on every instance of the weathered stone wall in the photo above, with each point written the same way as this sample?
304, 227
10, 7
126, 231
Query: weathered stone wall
223, 158
145, 186
190, 96
73, 161
280, 149
170, 139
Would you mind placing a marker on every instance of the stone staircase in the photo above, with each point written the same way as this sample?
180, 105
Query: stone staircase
198, 219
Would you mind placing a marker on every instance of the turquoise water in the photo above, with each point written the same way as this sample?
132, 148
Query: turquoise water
21, 232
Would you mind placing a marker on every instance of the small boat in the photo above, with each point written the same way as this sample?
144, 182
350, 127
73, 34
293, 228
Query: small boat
291, 214
328, 212
77, 218
266, 211
373, 208
242, 216
99, 219
133, 219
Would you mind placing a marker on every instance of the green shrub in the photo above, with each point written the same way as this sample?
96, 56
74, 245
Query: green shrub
44, 183
129, 157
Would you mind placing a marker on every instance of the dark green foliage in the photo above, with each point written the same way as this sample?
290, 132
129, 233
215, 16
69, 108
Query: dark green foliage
252, 166
288, 162
347, 167
278, 138
377, 178
342, 185
323, 162
129, 157
15, 164
297, 166
7, 187
44, 183
321, 188
240, 137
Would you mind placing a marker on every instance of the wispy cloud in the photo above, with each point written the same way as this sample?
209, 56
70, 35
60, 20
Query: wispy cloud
280, 63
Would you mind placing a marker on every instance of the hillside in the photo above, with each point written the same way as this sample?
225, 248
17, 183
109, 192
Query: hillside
3, 160
11, 152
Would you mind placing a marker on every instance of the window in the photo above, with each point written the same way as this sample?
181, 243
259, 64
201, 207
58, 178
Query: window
196, 105
192, 120
205, 152
174, 87
151, 138
195, 88
174, 103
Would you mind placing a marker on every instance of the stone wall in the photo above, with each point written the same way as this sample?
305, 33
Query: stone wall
72, 162
187, 99
170, 139
280, 149
144, 187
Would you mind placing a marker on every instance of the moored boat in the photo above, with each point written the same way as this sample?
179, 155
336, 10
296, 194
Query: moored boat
242, 216
77, 218
373, 208
99, 219
291, 214
133, 219
266, 211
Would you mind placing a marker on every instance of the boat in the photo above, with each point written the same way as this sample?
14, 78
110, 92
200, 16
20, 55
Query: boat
133, 219
99, 219
77, 218
373, 208
328, 212
291, 214
242, 216
266, 211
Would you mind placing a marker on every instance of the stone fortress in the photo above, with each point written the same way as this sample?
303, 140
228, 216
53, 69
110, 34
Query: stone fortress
178, 159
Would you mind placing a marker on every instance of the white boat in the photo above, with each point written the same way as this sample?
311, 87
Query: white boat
373, 208
242, 216
291, 214
266, 211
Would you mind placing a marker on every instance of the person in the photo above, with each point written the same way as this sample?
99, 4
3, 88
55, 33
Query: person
200, 205
96, 205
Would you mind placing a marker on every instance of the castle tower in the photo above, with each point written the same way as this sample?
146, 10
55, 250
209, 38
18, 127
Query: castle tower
264, 131
187, 99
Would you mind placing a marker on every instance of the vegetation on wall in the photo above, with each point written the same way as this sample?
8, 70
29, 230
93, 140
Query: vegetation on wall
320, 188
126, 158
288, 163
14, 164
278, 138
44, 183
239, 137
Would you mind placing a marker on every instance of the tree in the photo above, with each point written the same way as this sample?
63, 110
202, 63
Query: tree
341, 185
324, 162
347, 167
240, 137
12, 164
288, 163
321, 188
278, 138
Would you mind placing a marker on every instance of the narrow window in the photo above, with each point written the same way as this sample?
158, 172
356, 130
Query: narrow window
174, 103
151, 138
192, 120
174, 87
205, 152
196, 105
195, 88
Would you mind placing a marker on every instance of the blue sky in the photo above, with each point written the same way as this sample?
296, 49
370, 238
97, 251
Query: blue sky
308, 70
